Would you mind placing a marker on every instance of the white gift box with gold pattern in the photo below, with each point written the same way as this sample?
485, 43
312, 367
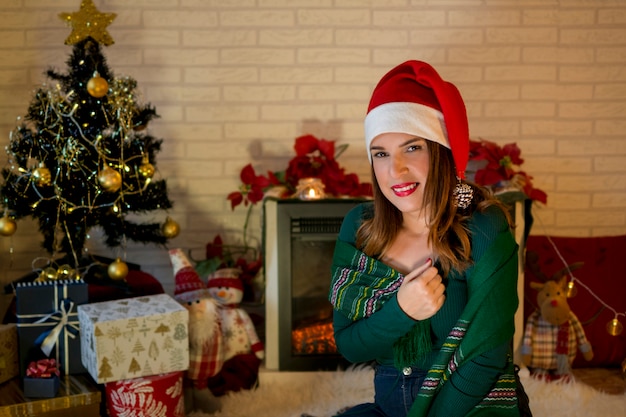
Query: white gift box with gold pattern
134, 337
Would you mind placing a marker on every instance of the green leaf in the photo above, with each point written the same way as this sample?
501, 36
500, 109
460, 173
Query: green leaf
208, 266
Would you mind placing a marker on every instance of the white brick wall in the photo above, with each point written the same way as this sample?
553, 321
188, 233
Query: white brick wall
237, 81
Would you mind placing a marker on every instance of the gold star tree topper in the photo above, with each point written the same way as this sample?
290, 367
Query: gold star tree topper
88, 21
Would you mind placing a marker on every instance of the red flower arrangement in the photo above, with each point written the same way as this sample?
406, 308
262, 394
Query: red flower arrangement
314, 158
500, 168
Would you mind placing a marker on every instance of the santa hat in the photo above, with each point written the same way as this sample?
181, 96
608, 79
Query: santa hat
412, 98
189, 286
228, 277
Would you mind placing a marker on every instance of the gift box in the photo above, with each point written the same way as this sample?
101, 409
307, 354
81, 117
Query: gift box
42, 379
9, 362
134, 337
47, 322
41, 387
147, 396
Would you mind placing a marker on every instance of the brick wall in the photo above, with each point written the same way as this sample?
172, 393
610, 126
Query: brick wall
237, 81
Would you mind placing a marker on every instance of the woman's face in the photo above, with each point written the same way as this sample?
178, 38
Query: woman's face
401, 163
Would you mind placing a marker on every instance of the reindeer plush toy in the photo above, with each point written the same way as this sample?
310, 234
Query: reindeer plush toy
553, 333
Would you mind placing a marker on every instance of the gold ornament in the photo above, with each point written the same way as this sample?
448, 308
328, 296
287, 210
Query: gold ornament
88, 21
572, 289
97, 86
42, 175
146, 169
110, 179
614, 327
170, 228
66, 272
115, 209
7, 226
49, 274
117, 270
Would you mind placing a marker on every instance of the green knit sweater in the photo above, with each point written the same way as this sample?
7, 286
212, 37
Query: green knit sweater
373, 338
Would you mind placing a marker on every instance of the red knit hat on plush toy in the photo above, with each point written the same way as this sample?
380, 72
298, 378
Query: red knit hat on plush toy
189, 286
225, 278
412, 98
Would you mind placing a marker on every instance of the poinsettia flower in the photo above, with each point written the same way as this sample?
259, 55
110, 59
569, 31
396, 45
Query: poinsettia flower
252, 188
530, 191
235, 198
487, 176
215, 249
500, 161
537, 194
500, 167
347, 185
308, 144
249, 269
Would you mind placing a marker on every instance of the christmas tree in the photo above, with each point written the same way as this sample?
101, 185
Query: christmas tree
81, 156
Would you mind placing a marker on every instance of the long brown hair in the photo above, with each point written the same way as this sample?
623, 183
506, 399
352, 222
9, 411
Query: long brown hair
448, 235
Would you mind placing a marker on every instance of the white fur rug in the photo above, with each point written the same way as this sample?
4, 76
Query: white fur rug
321, 394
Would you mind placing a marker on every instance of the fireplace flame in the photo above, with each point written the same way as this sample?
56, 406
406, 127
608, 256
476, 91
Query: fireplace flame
314, 339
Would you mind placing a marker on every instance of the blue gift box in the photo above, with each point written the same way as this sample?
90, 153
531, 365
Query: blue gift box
41, 387
47, 323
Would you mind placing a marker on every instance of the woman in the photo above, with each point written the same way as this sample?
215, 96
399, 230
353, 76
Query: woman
425, 276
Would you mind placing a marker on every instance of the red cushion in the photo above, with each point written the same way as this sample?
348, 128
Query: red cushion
603, 273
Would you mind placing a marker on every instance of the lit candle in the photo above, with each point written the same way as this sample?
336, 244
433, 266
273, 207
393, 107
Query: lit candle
310, 189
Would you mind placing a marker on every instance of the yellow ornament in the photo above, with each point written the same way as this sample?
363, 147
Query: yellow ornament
170, 228
49, 274
117, 270
66, 272
7, 226
97, 86
88, 21
572, 290
110, 179
146, 169
42, 175
614, 327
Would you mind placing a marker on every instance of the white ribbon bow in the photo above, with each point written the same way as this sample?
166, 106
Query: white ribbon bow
48, 343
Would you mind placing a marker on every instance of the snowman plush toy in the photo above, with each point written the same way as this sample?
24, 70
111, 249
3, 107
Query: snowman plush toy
242, 351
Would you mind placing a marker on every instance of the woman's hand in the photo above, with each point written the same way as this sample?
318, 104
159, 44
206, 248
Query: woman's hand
421, 294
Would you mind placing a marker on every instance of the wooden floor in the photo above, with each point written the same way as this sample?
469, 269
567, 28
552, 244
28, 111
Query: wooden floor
608, 380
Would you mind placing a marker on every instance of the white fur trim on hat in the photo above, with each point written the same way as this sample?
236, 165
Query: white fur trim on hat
404, 117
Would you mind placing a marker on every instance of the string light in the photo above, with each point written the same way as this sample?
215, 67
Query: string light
613, 327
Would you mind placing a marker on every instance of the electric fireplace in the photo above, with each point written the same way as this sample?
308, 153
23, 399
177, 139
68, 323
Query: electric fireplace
299, 240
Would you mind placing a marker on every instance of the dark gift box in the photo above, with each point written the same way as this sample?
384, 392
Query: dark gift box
41, 387
47, 323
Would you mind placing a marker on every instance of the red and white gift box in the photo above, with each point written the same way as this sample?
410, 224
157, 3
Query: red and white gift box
157, 395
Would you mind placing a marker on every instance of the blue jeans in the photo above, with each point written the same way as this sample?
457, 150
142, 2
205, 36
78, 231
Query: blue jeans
394, 393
